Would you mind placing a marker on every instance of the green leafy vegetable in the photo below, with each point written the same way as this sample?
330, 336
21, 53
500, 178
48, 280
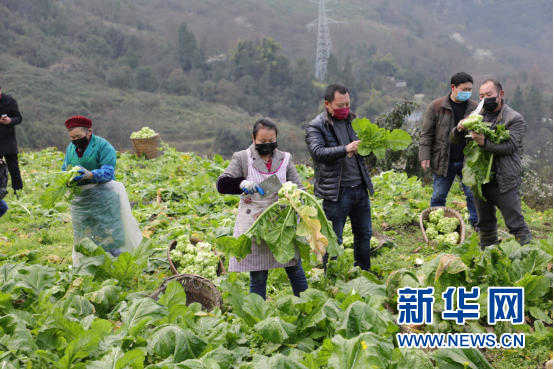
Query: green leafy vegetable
279, 228
378, 140
477, 170
58, 189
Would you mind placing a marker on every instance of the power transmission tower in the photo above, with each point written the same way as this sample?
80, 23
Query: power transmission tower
324, 47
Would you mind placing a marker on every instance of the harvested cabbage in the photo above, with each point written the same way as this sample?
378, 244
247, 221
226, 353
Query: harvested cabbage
144, 133
190, 259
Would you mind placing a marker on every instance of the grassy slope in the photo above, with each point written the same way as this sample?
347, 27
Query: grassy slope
183, 121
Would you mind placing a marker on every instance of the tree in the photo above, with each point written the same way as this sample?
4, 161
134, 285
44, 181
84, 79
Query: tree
121, 77
146, 79
518, 102
187, 46
178, 83
533, 106
130, 59
98, 46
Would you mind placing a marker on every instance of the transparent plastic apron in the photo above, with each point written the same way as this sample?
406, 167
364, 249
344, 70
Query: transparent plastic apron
102, 213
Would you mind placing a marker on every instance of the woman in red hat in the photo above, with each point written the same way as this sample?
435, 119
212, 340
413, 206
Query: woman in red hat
101, 212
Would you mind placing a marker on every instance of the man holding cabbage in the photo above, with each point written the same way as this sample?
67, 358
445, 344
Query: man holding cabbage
101, 212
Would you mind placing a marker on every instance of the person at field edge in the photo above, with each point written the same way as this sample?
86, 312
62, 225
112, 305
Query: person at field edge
341, 177
502, 191
248, 168
97, 211
436, 153
3, 185
9, 118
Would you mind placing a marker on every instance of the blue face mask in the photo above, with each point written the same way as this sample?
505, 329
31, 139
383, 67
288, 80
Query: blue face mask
463, 95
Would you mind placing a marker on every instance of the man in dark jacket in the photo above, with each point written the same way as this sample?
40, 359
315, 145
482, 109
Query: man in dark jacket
9, 118
436, 153
502, 190
341, 178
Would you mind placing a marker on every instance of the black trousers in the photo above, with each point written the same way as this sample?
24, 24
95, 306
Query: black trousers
509, 204
13, 167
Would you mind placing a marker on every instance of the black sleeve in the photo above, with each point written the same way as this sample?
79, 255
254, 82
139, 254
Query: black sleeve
15, 115
229, 185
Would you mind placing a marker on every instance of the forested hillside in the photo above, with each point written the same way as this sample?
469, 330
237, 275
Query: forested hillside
201, 70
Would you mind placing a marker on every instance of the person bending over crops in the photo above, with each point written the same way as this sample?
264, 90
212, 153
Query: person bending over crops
341, 176
97, 211
248, 168
502, 189
436, 153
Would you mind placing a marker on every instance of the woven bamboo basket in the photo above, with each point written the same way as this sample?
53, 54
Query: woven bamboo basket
194, 241
148, 146
448, 212
382, 239
197, 288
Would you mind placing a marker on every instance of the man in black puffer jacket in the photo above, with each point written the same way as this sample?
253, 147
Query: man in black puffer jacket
9, 118
341, 178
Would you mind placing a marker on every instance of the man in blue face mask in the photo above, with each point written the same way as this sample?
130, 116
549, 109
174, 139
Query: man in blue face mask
436, 153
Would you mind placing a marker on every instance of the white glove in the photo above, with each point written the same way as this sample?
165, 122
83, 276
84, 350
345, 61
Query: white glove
250, 187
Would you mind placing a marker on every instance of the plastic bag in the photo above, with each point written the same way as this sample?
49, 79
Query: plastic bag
102, 212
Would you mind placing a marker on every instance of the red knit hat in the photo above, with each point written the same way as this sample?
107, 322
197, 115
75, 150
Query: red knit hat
78, 121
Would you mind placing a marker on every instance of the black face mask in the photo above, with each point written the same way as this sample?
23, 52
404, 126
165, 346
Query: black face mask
80, 142
266, 148
490, 104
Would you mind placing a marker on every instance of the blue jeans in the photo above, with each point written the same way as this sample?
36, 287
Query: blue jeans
3, 208
353, 202
258, 280
441, 188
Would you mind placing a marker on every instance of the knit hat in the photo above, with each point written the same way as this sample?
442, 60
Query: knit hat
78, 121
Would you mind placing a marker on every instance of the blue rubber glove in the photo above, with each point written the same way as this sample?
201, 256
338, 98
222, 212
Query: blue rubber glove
251, 187
85, 174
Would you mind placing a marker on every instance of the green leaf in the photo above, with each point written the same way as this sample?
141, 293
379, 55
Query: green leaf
57, 189
142, 252
225, 358
361, 352
89, 265
274, 329
362, 286
256, 307
173, 340
537, 313
118, 359
397, 139
124, 268
141, 309
460, 359
535, 286
36, 278
81, 347
535, 260
235, 247
15, 335
415, 359
104, 298
280, 237
175, 300
360, 318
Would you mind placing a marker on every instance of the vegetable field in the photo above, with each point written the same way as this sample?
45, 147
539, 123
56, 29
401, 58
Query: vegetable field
99, 315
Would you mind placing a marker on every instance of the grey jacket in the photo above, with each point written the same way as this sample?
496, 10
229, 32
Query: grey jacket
507, 154
239, 165
437, 124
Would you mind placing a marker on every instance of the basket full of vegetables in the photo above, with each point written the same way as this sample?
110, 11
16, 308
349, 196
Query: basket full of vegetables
145, 142
192, 256
442, 224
